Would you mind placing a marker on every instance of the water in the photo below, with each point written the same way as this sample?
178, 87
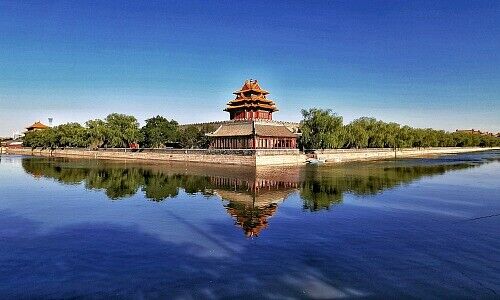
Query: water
94, 229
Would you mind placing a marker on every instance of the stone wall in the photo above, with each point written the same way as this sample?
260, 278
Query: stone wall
260, 157
287, 159
346, 155
230, 157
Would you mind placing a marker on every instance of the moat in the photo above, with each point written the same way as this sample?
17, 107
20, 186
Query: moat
424, 228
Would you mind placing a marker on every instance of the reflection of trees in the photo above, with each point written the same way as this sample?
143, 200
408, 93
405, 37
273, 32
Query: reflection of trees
158, 186
320, 187
195, 184
324, 187
251, 198
117, 181
66, 175
316, 195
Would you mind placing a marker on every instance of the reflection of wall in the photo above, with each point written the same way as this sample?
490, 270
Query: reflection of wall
318, 185
255, 184
254, 198
252, 194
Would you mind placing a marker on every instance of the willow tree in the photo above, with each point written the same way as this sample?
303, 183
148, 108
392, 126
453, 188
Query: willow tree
123, 130
356, 135
321, 129
97, 131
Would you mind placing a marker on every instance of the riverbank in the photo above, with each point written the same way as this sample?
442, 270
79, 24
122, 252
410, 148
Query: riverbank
351, 155
249, 157
262, 157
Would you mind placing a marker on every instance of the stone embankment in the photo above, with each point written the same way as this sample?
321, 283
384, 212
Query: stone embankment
226, 157
348, 155
245, 157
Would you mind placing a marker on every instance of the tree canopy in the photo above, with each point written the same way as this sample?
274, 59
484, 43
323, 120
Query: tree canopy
158, 131
323, 129
122, 130
193, 136
117, 130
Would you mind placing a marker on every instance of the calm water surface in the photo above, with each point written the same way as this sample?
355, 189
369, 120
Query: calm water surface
94, 229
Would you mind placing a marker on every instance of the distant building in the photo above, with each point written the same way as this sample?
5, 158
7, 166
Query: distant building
477, 132
17, 135
11, 143
15, 144
36, 126
3, 142
251, 124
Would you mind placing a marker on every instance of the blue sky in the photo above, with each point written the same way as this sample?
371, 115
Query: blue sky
422, 63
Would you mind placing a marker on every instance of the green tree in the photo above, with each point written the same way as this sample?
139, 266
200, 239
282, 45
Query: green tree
377, 136
190, 135
158, 131
71, 135
45, 138
204, 140
391, 131
122, 130
97, 133
404, 137
356, 135
193, 136
321, 129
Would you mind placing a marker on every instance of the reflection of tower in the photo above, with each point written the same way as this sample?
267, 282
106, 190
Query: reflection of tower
50, 121
251, 201
251, 218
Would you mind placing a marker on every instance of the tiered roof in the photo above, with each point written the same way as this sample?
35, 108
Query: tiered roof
250, 128
251, 219
251, 96
37, 125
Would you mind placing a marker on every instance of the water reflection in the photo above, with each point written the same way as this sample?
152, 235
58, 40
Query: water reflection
325, 187
60, 240
250, 196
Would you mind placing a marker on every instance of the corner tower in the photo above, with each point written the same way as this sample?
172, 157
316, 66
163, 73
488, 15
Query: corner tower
251, 103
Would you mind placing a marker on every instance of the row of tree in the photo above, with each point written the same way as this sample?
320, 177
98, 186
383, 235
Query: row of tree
323, 129
118, 131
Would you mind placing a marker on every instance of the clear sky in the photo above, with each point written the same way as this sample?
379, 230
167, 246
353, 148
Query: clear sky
422, 63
